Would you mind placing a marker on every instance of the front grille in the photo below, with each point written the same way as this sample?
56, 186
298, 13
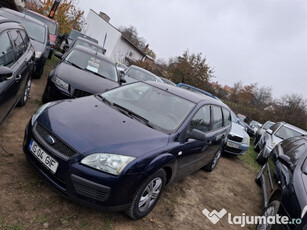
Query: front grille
90, 189
59, 145
81, 93
233, 150
235, 138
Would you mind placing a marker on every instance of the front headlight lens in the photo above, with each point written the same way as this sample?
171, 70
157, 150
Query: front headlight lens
106, 162
38, 54
59, 82
304, 211
38, 112
246, 140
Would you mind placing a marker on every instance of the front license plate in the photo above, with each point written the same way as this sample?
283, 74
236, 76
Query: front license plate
43, 157
233, 145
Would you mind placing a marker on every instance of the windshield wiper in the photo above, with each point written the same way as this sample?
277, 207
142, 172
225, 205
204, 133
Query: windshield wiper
104, 99
133, 114
75, 65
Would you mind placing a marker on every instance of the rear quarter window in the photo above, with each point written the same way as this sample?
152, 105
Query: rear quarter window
226, 117
217, 117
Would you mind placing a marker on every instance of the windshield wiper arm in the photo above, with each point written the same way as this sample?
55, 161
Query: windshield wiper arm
104, 99
135, 115
75, 65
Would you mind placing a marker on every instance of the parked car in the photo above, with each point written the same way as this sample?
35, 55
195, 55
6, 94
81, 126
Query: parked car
255, 125
73, 34
38, 34
166, 81
81, 72
237, 140
284, 183
119, 149
52, 27
196, 90
259, 132
277, 133
16, 64
134, 73
87, 43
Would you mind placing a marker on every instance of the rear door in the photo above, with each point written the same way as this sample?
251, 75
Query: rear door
7, 90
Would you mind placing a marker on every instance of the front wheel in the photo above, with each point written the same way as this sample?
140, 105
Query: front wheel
270, 211
209, 167
25, 96
260, 158
147, 195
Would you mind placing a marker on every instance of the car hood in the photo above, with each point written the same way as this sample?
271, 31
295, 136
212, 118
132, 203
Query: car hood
84, 80
237, 130
38, 46
90, 126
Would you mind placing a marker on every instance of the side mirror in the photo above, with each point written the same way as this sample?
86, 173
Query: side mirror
5, 73
197, 135
285, 160
122, 80
122, 72
58, 55
269, 131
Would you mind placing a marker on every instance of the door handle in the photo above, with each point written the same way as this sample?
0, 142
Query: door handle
208, 142
30, 62
18, 77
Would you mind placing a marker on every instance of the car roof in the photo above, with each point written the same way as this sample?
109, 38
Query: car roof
86, 40
295, 128
22, 15
141, 69
199, 90
191, 96
93, 52
38, 14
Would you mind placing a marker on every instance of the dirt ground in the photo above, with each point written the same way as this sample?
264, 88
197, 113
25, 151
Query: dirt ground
28, 203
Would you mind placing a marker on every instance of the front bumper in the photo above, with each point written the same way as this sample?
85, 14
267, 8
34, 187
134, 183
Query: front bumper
80, 183
235, 148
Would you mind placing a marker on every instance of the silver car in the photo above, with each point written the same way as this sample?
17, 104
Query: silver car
273, 136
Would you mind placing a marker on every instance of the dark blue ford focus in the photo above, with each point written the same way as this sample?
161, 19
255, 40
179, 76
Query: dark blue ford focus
117, 150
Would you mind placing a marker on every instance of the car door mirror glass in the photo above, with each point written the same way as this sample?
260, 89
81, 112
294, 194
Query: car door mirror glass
197, 135
5, 73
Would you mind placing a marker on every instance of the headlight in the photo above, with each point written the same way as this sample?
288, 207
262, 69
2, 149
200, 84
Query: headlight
246, 140
59, 82
38, 112
38, 54
110, 163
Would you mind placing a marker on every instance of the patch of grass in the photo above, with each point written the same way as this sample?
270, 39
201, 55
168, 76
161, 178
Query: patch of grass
41, 219
107, 224
50, 64
6, 226
249, 158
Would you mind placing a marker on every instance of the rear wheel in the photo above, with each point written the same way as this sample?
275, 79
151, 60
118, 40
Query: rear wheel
25, 96
260, 158
147, 195
209, 167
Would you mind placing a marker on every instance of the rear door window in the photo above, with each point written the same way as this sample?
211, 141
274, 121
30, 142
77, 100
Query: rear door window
217, 117
18, 43
226, 116
7, 55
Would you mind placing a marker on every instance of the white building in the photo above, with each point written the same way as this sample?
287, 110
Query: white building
118, 48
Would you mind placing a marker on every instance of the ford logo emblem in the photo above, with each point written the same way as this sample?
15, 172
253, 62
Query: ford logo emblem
50, 140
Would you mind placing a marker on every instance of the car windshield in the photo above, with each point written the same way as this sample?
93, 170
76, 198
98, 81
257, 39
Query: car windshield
35, 31
140, 75
92, 63
89, 45
285, 133
268, 125
51, 25
162, 110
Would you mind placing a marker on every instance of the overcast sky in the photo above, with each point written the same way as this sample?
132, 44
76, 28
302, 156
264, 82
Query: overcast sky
253, 41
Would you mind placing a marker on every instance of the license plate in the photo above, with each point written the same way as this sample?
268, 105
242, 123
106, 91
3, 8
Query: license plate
233, 145
43, 157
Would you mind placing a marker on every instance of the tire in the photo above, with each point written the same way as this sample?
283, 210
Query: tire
257, 179
155, 183
209, 167
50, 54
25, 96
257, 148
271, 210
260, 158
